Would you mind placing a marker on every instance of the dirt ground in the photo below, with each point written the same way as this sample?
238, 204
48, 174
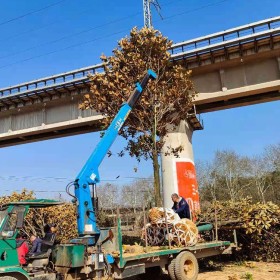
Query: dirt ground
229, 271
239, 271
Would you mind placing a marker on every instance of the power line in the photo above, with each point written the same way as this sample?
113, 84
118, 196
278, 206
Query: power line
34, 179
43, 26
62, 49
30, 190
196, 9
74, 34
61, 20
102, 37
68, 36
30, 13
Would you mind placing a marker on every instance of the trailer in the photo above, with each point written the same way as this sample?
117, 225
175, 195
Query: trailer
177, 263
180, 263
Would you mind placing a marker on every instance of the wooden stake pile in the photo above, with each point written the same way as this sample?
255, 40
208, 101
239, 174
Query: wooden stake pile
182, 232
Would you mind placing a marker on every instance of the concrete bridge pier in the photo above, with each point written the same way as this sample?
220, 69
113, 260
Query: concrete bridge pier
178, 173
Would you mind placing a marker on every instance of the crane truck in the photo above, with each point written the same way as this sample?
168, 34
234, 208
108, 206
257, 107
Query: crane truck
92, 254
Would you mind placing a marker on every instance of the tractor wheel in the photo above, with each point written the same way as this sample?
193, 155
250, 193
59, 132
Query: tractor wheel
171, 270
186, 266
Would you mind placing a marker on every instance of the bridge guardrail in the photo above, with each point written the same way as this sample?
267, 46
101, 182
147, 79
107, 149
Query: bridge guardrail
54, 80
225, 36
229, 43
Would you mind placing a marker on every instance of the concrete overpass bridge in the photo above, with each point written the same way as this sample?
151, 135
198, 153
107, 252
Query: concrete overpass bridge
236, 67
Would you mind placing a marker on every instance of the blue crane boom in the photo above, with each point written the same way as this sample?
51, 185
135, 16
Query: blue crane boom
89, 175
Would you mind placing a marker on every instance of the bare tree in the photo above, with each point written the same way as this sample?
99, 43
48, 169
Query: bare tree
272, 157
232, 168
207, 178
230, 175
260, 175
108, 196
137, 194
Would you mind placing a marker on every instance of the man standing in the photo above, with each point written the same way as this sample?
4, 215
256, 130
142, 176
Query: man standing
180, 206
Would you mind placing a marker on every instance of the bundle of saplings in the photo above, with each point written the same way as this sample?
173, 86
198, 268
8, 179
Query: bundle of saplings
257, 226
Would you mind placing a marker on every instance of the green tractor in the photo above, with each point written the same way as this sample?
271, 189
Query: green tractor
11, 221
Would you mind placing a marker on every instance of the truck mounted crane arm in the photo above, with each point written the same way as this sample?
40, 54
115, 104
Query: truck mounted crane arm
89, 175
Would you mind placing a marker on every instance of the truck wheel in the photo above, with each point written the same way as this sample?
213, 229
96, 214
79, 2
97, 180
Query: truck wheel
186, 266
7, 278
171, 270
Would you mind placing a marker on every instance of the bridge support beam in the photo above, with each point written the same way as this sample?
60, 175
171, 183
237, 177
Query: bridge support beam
178, 173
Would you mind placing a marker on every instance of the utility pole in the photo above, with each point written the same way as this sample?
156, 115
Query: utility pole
147, 11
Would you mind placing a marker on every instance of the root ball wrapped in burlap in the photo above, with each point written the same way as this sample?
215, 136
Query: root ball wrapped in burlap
155, 234
184, 233
157, 215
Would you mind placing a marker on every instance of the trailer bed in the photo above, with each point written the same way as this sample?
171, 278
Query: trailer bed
131, 264
200, 250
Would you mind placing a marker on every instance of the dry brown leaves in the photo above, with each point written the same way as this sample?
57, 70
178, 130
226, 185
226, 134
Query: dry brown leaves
165, 102
257, 226
64, 216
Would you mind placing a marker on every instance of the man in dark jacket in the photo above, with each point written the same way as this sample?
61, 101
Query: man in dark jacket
49, 230
180, 206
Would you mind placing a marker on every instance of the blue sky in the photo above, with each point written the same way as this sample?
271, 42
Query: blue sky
59, 36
